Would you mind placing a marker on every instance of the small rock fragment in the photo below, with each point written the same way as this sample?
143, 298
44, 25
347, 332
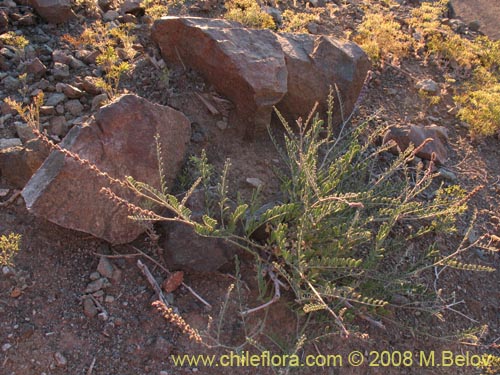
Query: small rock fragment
61, 360
99, 101
95, 285
54, 99
428, 85
89, 308
105, 268
255, 182
74, 107
6, 347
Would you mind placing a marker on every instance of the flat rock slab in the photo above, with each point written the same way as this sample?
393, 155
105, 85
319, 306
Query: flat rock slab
258, 69
121, 143
246, 65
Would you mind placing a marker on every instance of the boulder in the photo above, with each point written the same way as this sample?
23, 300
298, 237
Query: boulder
53, 11
316, 63
18, 164
258, 69
121, 143
403, 136
246, 65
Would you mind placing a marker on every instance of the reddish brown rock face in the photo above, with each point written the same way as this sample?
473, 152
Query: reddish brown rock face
258, 69
121, 143
316, 63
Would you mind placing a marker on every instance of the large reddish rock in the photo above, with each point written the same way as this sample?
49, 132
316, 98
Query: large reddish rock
317, 63
121, 143
53, 11
246, 65
403, 136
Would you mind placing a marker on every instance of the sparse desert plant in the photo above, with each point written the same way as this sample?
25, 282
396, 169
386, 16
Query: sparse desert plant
381, 37
113, 68
343, 238
249, 13
9, 246
17, 42
296, 22
155, 8
480, 108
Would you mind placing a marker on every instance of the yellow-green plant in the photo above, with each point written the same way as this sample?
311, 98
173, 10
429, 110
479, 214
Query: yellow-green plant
113, 68
249, 13
156, 8
9, 246
296, 22
381, 37
480, 108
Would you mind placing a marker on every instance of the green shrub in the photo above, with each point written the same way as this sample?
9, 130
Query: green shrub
294, 22
342, 238
9, 246
381, 37
249, 13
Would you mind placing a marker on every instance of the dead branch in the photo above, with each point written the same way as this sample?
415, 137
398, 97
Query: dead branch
11, 200
145, 271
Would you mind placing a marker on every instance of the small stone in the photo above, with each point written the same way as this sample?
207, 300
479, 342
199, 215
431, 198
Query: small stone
74, 107
9, 142
4, 193
16, 292
60, 56
47, 110
61, 361
72, 92
103, 316
99, 101
94, 286
164, 373
474, 25
255, 182
105, 268
110, 15
6, 347
89, 308
109, 299
89, 85
428, 85
54, 99
60, 109
36, 67
95, 276
60, 71
58, 126
222, 125
11, 83
7, 271
447, 175
99, 294
398, 299
24, 132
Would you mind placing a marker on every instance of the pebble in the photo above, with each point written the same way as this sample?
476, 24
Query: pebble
72, 92
103, 316
222, 125
74, 107
110, 15
95, 285
61, 360
11, 83
95, 276
55, 99
6, 347
89, 308
255, 182
98, 101
109, 299
105, 268
428, 85
60, 71
447, 175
